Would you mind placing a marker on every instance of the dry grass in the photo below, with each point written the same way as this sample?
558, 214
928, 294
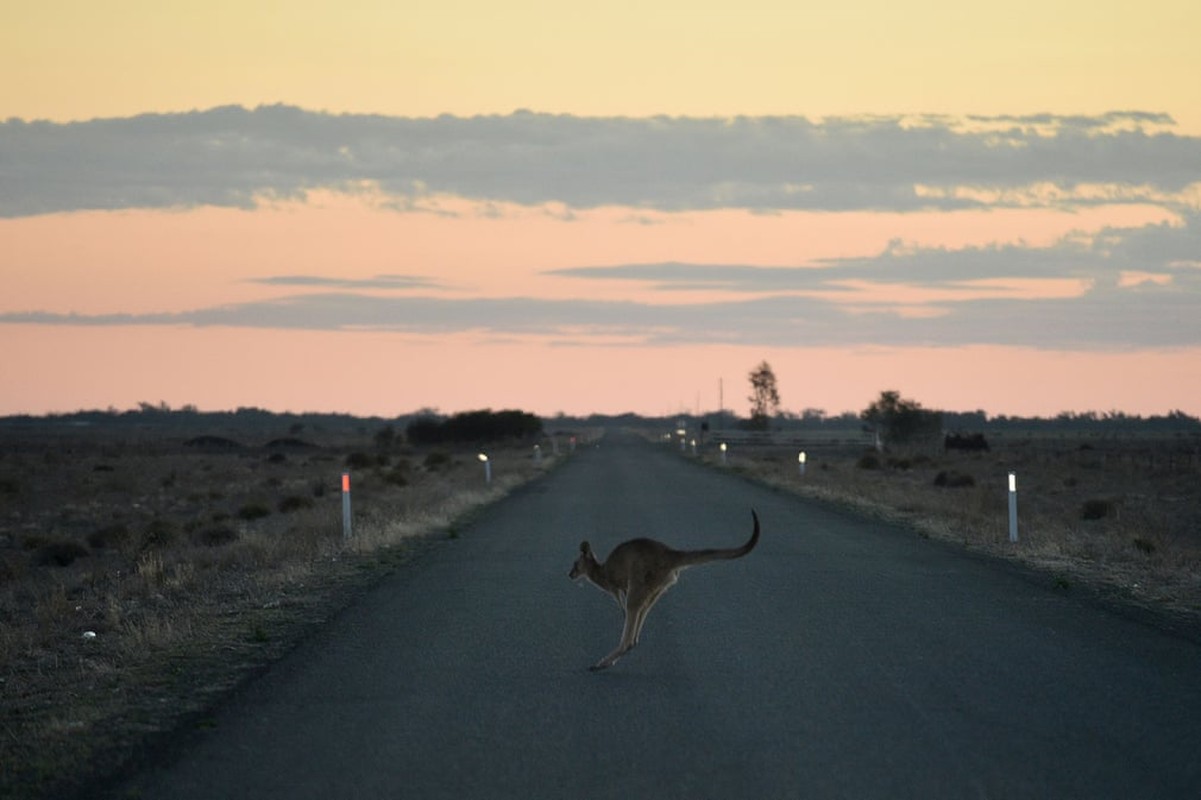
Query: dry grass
135, 585
1123, 515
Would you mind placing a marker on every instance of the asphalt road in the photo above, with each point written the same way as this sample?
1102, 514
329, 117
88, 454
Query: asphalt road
841, 658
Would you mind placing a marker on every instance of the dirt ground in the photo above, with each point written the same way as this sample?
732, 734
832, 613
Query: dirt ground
145, 571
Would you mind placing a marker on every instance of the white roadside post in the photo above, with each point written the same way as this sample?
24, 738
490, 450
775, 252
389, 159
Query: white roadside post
537, 454
800, 460
693, 443
1013, 507
723, 453
345, 506
487, 467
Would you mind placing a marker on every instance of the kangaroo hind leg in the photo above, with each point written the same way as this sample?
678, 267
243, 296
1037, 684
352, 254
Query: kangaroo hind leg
658, 592
634, 601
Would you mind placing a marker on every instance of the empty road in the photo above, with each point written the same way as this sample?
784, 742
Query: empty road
841, 658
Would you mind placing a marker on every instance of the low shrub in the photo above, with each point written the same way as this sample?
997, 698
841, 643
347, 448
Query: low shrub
360, 461
60, 553
294, 503
1144, 545
1096, 509
34, 541
215, 536
109, 536
437, 460
159, 533
253, 511
398, 473
953, 480
868, 461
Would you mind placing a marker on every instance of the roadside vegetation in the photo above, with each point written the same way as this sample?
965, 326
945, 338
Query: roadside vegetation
150, 561
1111, 504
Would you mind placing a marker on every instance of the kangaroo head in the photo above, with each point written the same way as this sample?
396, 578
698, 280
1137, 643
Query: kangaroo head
583, 562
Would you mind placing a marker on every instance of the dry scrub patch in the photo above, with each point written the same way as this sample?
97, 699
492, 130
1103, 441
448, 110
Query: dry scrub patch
140, 578
1120, 514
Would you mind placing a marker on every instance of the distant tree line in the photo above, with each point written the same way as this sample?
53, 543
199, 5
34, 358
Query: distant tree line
189, 418
473, 427
525, 425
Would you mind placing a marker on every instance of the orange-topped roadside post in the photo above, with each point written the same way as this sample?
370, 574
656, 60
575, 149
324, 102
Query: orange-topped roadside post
345, 506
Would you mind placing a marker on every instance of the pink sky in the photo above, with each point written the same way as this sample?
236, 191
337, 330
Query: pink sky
388, 374
154, 261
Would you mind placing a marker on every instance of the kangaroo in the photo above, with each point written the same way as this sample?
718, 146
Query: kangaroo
638, 572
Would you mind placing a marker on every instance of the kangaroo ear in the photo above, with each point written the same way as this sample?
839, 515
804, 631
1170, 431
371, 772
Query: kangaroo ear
585, 548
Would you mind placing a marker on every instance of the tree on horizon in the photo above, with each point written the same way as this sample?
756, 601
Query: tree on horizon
764, 398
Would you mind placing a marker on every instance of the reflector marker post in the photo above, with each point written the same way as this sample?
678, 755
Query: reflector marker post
1013, 507
345, 506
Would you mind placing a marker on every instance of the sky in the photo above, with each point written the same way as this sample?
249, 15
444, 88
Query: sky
379, 207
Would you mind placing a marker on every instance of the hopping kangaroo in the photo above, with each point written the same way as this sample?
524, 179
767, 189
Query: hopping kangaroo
638, 572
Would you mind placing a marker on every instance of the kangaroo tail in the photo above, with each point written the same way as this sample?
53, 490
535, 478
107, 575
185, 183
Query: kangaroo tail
695, 557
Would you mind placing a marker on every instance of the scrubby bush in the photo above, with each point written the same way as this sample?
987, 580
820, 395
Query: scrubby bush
437, 460
294, 503
60, 553
1144, 545
115, 535
158, 534
868, 461
474, 427
1096, 509
953, 480
253, 511
386, 438
215, 536
398, 475
360, 461
901, 421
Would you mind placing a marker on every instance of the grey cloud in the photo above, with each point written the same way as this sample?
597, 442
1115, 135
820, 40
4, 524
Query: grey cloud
1106, 317
1102, 257
233, 156
924, 268
376, 282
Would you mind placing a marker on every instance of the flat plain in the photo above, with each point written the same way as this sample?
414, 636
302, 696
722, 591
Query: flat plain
147, 571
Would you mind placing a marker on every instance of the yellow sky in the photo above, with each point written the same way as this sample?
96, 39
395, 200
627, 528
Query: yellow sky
78, 59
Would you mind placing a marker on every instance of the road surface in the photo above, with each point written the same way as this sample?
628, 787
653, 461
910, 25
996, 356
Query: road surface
841, 658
